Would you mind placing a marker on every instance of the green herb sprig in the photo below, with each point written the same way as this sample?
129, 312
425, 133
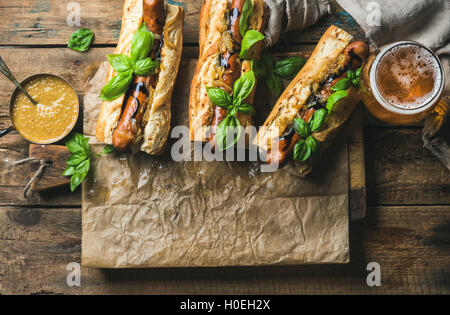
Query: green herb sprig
81, 39
79, 162
273, 71
242, 88
138, 63
249, 37
353, 78
308, 145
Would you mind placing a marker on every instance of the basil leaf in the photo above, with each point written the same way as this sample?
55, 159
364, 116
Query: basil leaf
334, 98
142, 43
268, 60
246, 109
73, 145
108, 149
76, 159
288, 68
85, 143
318, 119
351, 74
80, 173
301, 127
251, 37
247, 11
226, 128
146, 67
116, 86
78, 144
358, 72
81, 39
233, 111
356, 82
342, 84
259, 68
219, 97
274, 84
313, 144
243, 87
83, 167
302, 151
75, 181
70, 170
120, 63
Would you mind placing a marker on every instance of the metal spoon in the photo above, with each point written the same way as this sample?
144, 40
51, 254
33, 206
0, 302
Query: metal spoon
5, 70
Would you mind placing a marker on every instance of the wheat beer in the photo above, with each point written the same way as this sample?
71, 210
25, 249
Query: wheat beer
403, 83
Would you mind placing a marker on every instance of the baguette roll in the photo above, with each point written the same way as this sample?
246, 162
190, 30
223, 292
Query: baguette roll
331, 59
152, 132
215, 39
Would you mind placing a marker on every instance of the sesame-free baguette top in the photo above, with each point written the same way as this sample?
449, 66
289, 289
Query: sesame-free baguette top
327, 58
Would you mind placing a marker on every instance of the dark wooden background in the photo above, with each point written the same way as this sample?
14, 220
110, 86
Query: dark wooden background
407, 229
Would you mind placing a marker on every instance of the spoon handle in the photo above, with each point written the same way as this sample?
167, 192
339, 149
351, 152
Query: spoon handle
5, 70
4, 132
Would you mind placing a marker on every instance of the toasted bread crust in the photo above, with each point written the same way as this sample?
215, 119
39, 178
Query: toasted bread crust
212, 26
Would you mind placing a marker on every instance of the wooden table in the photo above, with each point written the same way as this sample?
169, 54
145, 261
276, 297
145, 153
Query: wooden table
407, 229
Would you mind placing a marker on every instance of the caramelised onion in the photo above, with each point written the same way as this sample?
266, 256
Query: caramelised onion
227, 42
223, 85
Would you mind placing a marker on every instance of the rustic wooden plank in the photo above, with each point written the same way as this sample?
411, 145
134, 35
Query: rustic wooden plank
44, 22
357, 169
400, 171
411, 244
13, 180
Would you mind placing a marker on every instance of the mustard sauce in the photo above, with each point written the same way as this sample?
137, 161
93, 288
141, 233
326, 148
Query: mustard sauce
54, 116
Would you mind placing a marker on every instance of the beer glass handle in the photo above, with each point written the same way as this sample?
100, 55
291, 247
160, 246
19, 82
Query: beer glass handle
437, 118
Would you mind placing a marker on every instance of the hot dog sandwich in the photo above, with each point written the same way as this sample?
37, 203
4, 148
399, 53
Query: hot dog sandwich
136, 107
316, 104
223, 85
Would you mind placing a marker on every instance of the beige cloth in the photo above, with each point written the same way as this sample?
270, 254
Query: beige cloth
291, 15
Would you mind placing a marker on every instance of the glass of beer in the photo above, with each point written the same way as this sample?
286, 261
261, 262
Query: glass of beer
402, 83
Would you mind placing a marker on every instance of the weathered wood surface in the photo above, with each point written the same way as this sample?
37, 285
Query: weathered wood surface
411, 244
51, 177
44, 22
408, 190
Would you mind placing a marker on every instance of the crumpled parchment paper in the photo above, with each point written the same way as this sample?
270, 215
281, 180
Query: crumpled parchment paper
142, 211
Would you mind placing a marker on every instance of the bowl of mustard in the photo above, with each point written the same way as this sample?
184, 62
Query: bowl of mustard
56, 113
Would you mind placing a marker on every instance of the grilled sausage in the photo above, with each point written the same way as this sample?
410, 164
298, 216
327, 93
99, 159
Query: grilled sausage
279, 153
231, 64
135, 107
360, 50
235, 16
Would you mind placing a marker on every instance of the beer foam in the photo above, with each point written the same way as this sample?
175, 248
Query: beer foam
408, 76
